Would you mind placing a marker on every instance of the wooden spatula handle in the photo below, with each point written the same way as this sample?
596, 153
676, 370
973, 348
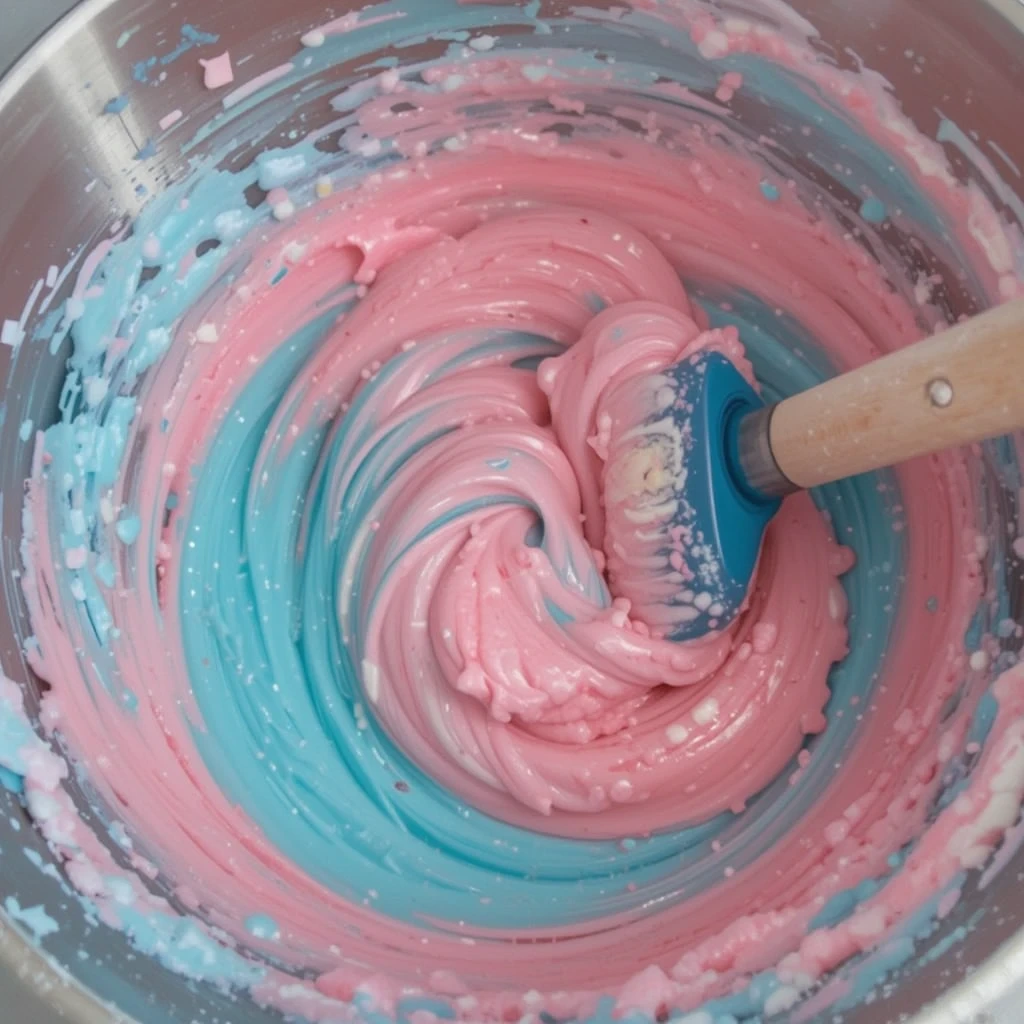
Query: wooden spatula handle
964, 384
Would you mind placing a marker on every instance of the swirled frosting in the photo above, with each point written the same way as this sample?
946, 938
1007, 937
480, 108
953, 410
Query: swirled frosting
380, 714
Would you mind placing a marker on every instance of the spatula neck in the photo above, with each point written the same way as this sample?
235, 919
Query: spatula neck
757, 463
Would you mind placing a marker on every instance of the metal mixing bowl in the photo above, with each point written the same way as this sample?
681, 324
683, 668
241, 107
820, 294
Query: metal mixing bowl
53, 142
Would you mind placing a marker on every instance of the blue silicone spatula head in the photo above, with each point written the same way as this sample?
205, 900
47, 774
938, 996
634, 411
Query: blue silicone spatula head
693, 458
679, 508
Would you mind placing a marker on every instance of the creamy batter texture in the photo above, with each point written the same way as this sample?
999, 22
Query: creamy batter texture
376, 718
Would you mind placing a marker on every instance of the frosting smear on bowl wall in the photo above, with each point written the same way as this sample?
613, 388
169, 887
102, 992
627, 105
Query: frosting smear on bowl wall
374, 713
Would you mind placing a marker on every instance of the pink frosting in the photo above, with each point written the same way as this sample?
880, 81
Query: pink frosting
217, 71
593, 703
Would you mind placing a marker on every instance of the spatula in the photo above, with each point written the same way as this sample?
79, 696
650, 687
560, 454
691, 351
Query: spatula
743, 457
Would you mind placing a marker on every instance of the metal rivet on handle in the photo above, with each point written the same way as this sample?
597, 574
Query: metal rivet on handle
940, 393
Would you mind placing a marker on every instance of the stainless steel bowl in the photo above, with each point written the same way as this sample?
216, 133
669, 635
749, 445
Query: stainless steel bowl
53, 143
